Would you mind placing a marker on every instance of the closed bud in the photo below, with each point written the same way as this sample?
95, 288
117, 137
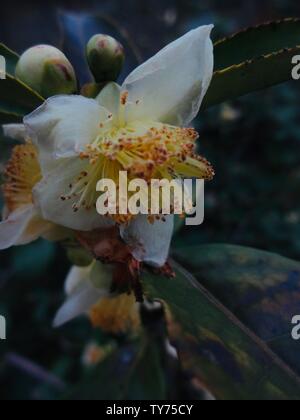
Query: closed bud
105, 57
47, 70
92, 90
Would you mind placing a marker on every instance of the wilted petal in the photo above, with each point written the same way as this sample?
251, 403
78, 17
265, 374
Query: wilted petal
13, 229
56, 184
64, 125
170, 86
78, 303
149, 242
15, 131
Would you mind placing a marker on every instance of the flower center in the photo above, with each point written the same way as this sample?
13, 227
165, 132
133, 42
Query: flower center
145, 150
22, 173
151, 151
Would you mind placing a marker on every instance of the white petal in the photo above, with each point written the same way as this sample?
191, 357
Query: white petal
15, 131
171, 86
150, 242
76, 278
78, 303
64, 125
55, 184
109, 98
13, 229
83, 293
36, 228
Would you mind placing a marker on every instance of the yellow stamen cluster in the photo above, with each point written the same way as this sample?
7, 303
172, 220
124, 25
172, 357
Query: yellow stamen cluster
152, 152
145, 150
22, 173
116, 315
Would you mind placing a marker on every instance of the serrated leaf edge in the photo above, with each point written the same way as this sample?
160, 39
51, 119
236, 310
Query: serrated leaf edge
261, 57
253, 28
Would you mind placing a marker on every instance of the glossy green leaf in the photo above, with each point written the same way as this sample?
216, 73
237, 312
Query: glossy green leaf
11, 58
7, 117
260, 288
216, 347
16, 100
250, 76
257, 41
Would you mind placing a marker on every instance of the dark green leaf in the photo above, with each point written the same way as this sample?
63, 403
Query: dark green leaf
16, 100
256, 41
260, 288
7, 117
216, 347
250, 76
11, 58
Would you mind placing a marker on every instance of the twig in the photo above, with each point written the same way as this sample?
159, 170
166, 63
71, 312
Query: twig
34, 370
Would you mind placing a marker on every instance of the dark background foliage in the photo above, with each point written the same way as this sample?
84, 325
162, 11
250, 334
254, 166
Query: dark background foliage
254, 144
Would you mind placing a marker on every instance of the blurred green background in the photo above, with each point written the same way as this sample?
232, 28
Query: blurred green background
253, 143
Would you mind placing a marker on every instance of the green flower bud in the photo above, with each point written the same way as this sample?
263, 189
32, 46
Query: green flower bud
106, 57
92, 90
79, 256
47, 70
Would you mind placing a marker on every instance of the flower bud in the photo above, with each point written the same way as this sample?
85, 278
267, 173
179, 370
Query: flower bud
105, 57
47, 70
92, 90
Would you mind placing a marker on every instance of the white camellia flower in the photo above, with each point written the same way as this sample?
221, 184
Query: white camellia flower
138, 127
22, 221
88, 293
